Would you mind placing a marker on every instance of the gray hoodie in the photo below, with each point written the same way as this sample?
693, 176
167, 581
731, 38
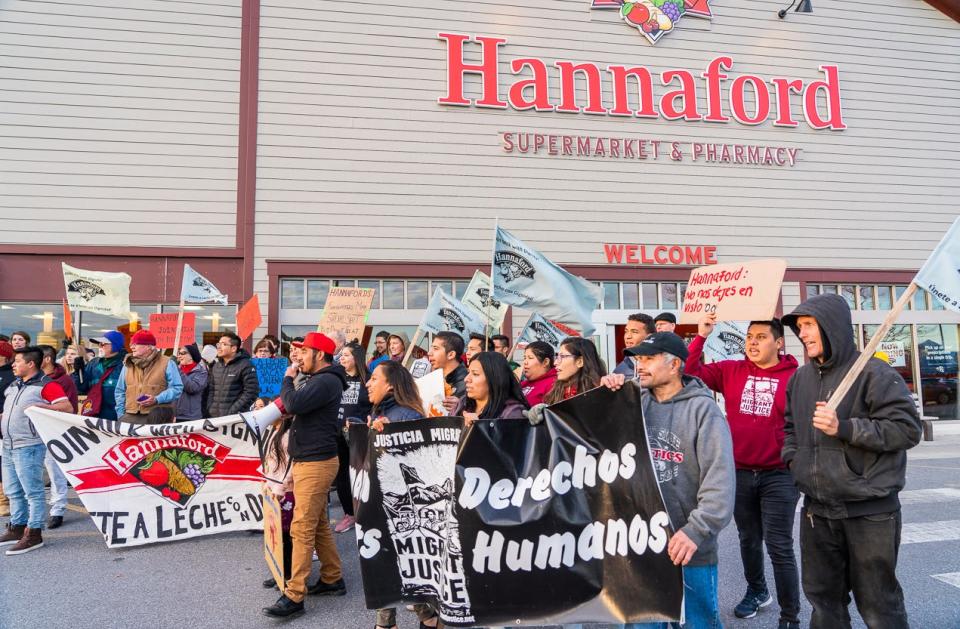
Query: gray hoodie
693, 457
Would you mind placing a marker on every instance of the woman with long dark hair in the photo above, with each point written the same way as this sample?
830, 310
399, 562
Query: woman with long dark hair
579, 369
492, 390
354, 407
276, 468
538, 371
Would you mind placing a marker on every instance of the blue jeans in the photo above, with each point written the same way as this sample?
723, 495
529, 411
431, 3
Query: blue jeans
23, 485
59, 486
700, 605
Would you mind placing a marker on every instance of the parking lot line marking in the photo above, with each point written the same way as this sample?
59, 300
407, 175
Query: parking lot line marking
950, 578
918, 532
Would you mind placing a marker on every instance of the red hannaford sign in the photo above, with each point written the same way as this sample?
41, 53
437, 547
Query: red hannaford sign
660, 255
682, 103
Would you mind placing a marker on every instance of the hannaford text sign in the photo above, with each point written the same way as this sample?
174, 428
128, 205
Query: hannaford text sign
660, 255
532, 91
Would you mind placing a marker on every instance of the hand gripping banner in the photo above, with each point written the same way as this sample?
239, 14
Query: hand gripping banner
158, 483
572, 506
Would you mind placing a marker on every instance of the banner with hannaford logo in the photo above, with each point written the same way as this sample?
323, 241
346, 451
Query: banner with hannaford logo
158, 483
446, 313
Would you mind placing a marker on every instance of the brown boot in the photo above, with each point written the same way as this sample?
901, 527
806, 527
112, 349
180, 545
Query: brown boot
31, 540
12, 534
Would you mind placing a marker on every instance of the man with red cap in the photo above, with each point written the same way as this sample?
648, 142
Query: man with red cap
315, 407
149, 383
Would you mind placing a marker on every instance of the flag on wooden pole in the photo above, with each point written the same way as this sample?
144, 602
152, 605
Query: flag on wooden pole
97, 291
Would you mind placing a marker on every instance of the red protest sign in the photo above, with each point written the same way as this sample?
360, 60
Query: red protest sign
164, 327
249, 318
741, 291
67, 321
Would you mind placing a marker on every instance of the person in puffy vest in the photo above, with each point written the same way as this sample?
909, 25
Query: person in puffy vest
149, 383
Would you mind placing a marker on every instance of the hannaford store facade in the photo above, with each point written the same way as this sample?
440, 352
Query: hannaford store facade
283, 147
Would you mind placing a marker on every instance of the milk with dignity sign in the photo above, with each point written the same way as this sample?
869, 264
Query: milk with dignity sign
628, 89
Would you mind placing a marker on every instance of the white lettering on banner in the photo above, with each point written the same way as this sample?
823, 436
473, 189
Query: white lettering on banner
612, 537
397, 438
758, 396
563, 477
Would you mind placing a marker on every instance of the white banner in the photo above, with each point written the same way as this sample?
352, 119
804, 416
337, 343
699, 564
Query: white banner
727, 341
97, 291
145, 483
196, 289
478, 297
940, 275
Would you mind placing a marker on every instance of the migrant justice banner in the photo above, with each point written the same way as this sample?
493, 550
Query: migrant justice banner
572, 505
144, 483
734, 292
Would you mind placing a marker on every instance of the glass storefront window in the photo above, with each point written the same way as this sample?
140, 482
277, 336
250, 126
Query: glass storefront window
417, 296
375, 285
898, 346
669, 295
651, 300
937, 346
828, 289
211, 318
461, 287
290, 332
291, 294
345, 283
317, 291
43, 322
866, 298
849, 293
884, 298
631, 296
813, 289
393, 294
611, 295
446, 286
920, 299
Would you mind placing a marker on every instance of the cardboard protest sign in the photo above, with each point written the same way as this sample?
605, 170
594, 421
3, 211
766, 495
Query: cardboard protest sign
144, 484
479, 297
467, 526
270, 375
273, 537
431, 391
346, 311
164, 327
738, 291
249, 318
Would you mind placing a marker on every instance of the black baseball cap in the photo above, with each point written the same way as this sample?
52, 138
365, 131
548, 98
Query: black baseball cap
666, 316
659, 343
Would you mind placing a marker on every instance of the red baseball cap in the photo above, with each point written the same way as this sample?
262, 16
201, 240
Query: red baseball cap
143, 337
319, 342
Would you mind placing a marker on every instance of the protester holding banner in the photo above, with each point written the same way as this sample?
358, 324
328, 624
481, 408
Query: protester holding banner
444, 354
693, 456
639, 326
579, 369
59, 486
354, 406
380, 352
492, 391
754, 390
100, 377
538, 372
313, 450
233, 380
194, 374
851, 465
149, 383
23, 451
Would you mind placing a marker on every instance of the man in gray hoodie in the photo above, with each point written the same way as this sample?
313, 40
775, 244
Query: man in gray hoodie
693, 455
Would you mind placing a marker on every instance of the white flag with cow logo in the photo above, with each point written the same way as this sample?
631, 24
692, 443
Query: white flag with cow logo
539, 328
479, 296
446, 313
199, 290
97, 291
940, 275
524, 277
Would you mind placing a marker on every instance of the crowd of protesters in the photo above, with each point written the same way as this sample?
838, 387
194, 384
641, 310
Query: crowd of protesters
749, 461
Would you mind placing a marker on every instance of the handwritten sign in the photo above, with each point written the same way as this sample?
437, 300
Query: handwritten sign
269, 375
164, 327
346, 311
249, 318
734, 292
273, 537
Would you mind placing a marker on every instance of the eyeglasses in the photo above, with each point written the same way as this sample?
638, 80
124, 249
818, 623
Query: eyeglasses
562, 357
182, 353
224, 344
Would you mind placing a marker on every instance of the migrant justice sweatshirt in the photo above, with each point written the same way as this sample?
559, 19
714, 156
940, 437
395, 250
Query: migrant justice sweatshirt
693, 459
755, 400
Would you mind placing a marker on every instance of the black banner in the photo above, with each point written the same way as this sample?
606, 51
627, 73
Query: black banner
559, 523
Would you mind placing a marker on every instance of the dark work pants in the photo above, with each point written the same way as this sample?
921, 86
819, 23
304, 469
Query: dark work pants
852, 554
344, 494
764, 511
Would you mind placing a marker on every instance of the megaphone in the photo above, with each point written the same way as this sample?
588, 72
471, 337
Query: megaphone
259, 421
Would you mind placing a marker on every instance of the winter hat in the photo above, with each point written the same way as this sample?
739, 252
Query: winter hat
6, 350
143, 337
194, 352
114, 338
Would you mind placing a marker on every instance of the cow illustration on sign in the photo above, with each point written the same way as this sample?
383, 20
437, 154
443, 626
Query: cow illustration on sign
655, 18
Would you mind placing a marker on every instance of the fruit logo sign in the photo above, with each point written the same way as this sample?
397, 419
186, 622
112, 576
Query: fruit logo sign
176, 473
655, 18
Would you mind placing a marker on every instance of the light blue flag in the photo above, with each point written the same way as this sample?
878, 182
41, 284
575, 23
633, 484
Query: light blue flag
524, 277
940, 275
197, 289
446, 313
539, 328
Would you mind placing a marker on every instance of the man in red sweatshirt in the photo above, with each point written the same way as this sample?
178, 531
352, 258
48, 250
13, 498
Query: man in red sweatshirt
754, 391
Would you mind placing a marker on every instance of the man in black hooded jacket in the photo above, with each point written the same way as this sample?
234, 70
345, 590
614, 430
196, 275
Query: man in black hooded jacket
851, 465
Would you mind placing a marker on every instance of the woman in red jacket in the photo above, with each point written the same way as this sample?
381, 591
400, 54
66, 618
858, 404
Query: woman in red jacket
538, 372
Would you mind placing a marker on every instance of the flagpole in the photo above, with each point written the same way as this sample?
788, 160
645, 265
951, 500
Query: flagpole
76, 342
176, 338
847, 383
493, 265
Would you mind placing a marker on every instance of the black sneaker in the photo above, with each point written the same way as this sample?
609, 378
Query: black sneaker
283, 608
337, 588
751, 604
789, 624
270, 583
55, 522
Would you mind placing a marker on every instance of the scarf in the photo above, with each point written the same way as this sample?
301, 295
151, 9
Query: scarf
145, 362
